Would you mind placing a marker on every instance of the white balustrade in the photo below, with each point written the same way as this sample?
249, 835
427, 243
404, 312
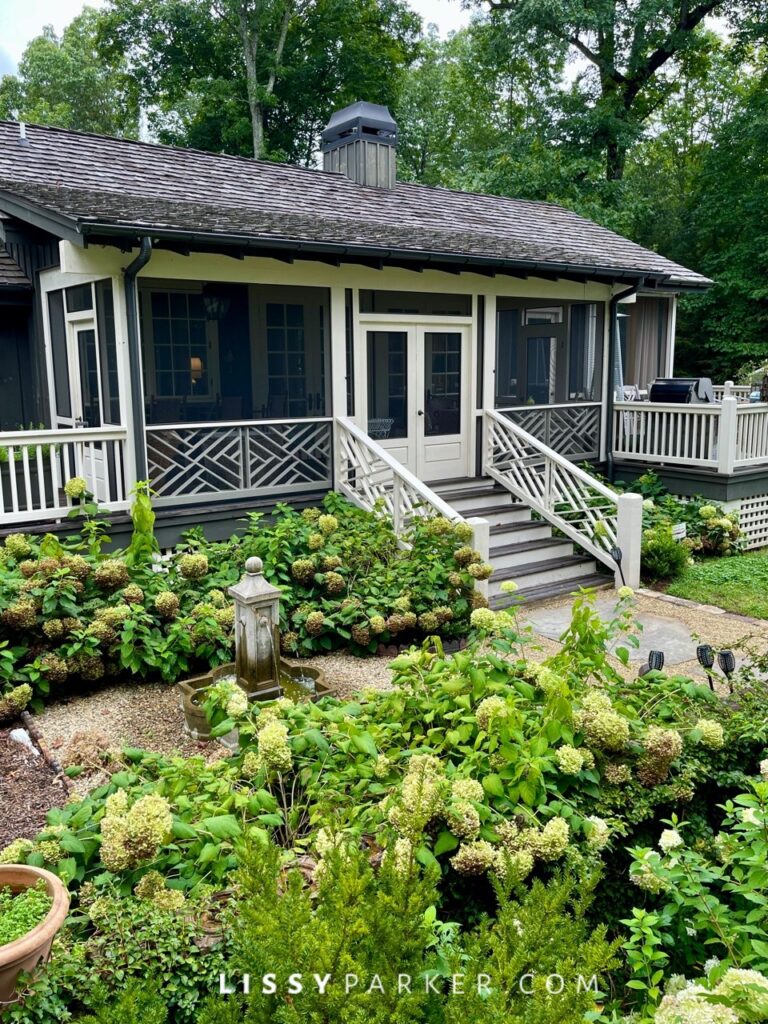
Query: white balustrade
593, 515
35, 465
572, 430
371, 477
722, 437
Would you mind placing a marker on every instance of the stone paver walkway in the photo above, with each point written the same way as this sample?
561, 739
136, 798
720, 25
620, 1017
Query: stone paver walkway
669, 625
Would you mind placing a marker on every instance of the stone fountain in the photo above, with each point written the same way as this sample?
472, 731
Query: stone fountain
258, 667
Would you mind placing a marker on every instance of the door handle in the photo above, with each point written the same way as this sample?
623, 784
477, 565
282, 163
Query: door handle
420, 412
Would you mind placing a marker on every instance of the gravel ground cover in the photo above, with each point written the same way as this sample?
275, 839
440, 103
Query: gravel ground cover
148, 715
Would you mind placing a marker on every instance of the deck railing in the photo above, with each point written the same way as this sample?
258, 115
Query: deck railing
572, 430
35, 465
192, 462
593, 515
371, 477
740, 392
722, 437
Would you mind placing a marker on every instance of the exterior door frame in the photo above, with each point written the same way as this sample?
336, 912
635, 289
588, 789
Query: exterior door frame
416, 328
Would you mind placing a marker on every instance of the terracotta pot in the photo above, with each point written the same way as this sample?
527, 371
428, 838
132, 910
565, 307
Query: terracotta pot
35, 947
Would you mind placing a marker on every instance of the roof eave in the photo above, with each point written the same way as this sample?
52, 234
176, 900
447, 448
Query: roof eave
42, 217
93, 230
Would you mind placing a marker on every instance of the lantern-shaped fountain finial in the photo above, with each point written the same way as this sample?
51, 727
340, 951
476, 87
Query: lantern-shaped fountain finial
257, 620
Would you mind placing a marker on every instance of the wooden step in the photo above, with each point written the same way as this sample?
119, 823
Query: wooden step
547, 591
524, 551
523, 530
499, 515
548, 570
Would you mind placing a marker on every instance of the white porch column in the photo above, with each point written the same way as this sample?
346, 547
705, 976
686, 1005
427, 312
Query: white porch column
629, 538
726, 435
338, 368
124, 382
338, 353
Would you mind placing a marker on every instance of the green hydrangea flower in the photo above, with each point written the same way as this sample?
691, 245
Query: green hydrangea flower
18, 546
712, 734
167, 604
111, 574
328, 524
193, 566
75, 487
491, 709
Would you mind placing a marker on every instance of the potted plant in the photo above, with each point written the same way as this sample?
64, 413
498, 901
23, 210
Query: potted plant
24, 952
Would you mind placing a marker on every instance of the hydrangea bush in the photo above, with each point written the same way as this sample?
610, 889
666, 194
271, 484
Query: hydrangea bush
482, 782
70, 615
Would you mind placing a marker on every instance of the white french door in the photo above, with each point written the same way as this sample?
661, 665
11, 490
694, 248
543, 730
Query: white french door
85, 406
418, 396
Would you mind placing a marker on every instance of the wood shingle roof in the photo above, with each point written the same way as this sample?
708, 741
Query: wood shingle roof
101, 185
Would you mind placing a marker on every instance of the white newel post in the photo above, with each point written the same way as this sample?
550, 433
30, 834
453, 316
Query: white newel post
728, 389
629, 538
726, 437
481, 541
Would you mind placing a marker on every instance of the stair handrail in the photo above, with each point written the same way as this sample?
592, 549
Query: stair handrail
367, 474
597, 518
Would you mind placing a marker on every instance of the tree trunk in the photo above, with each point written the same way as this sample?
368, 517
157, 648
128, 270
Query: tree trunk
616, 159
250, 41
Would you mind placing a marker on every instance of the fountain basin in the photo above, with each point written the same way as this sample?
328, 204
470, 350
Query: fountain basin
297, 682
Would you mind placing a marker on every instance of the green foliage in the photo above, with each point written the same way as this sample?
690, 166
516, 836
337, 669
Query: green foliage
143, 544
736, 584
66, 82
473, 820
200, 91
137, 1004
71, 614
712, 892
662, 557
20, 913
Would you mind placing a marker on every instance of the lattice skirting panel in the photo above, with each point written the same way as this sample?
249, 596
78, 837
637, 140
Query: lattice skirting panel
753, 519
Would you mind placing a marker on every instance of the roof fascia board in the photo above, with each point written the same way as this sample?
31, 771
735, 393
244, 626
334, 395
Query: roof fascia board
309, 250
41, 217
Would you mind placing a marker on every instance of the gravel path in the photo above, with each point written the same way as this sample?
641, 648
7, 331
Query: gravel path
148, 715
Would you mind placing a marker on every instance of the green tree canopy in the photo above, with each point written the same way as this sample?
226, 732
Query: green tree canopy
628, 56
257, 76
66, 82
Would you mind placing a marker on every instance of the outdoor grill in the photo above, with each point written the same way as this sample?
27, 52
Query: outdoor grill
682, 390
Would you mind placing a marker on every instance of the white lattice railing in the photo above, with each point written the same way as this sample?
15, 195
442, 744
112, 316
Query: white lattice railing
571, 430
370, 477
593, 515
194, 461
35, 465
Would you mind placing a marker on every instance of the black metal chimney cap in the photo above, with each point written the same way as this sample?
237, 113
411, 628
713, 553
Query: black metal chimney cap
361, 119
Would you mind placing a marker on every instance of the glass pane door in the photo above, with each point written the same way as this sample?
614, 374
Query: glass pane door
88, 369
541, 370
387, 384
442, 383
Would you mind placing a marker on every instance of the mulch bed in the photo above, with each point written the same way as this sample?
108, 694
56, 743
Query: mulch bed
29, 788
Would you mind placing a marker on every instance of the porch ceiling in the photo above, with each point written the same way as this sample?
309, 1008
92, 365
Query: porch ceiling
116, 190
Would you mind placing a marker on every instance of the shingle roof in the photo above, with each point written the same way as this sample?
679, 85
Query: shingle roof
11, 274
95, 182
